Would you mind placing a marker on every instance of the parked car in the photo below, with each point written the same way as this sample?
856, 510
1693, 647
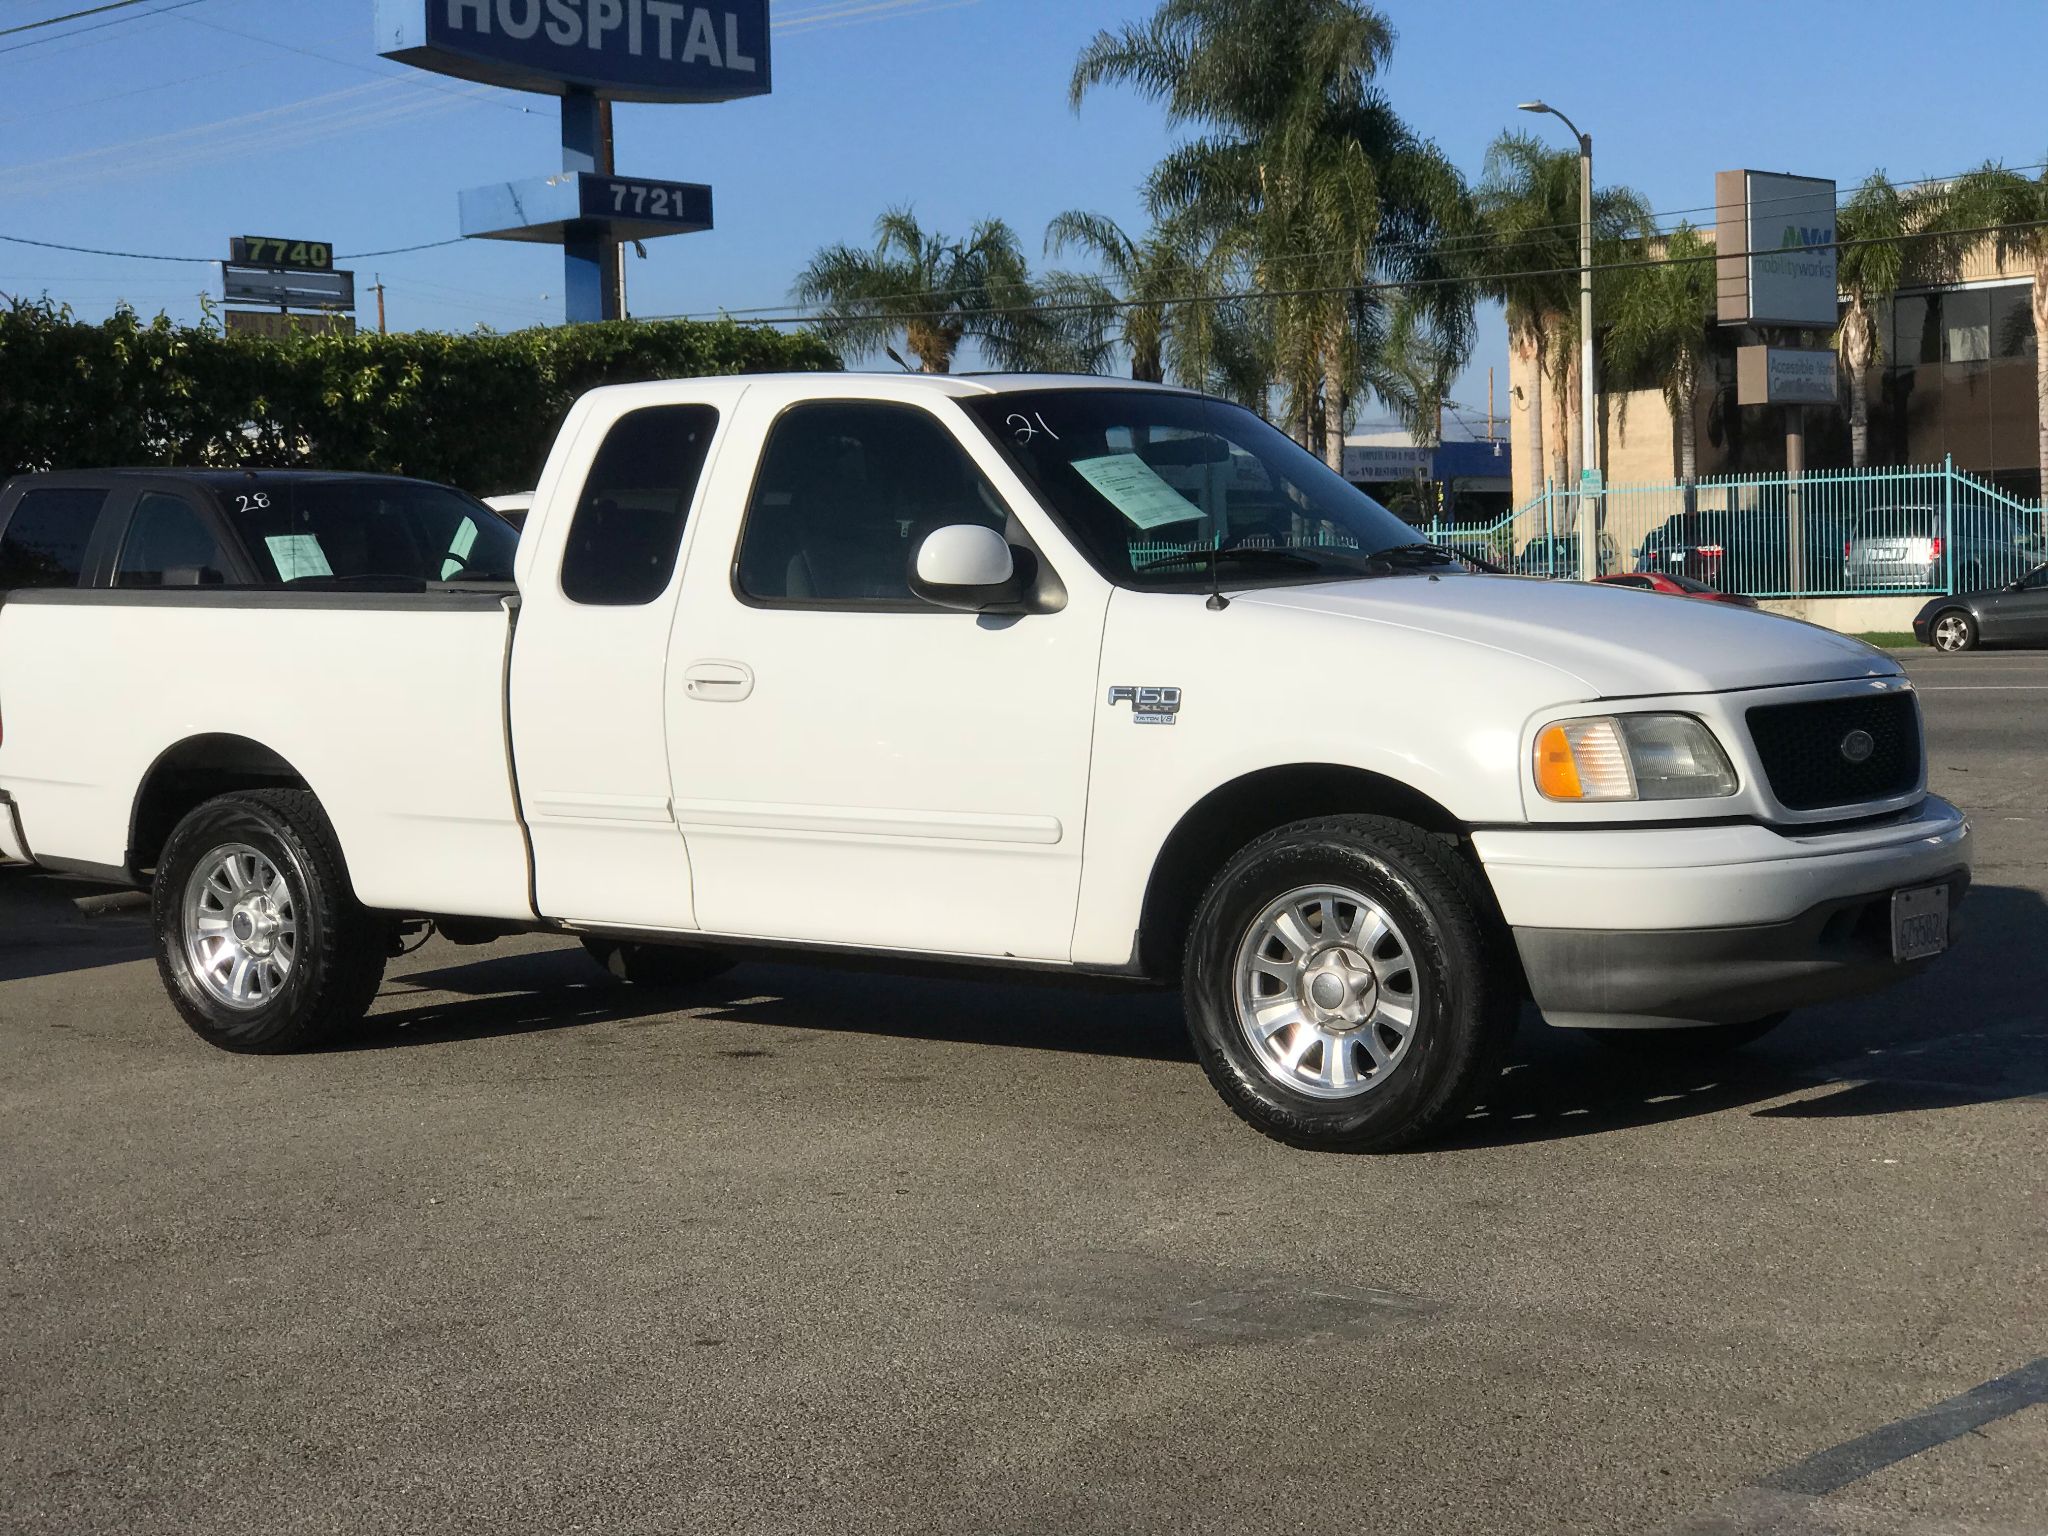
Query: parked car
1692, 545
243, 528
1748, 551
950, 669
512, 506
1675, 586
2014, 614
1915, 547
1558, 555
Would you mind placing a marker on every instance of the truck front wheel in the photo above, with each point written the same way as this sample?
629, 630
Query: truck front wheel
261, 943
1347, 986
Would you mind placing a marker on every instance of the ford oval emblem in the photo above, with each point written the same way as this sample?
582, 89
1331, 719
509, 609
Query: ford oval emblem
1857, 746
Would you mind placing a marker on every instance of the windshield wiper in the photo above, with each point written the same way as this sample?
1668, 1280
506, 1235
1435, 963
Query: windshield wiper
1235, 553
1427, 554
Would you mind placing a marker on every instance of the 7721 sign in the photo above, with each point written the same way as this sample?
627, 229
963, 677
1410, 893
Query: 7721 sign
670, 207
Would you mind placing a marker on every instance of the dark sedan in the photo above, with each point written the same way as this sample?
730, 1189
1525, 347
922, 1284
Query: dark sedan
2016, 614
244, 528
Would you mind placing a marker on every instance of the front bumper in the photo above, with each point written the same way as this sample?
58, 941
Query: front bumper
1674, 926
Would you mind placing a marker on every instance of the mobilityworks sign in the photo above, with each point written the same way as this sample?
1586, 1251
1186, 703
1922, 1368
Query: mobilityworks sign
626, 50
1776, 238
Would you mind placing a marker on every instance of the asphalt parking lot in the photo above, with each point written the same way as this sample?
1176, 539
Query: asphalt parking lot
821, 1252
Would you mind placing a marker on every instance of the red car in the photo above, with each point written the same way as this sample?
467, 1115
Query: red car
1674, 586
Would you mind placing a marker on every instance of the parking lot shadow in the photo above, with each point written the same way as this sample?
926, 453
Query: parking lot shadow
558, 988
1968, 1030
43, 932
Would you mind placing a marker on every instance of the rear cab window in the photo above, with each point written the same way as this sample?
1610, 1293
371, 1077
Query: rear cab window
629, 520
45, 541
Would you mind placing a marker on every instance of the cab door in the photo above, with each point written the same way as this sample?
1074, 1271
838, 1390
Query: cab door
590, 655
851, 765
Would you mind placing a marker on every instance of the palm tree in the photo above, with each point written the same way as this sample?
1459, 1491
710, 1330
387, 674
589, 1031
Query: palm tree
1303, 182
2015, 208
1528, 211
1657, 321
935, 293
1139, 281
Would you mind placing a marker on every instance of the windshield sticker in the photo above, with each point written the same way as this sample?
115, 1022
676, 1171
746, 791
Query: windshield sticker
1135, 489
297, 555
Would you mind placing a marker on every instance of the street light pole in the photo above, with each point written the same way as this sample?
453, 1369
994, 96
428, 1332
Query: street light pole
1589, 456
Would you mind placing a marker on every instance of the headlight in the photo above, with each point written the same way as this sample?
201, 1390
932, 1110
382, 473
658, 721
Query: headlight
1631, 757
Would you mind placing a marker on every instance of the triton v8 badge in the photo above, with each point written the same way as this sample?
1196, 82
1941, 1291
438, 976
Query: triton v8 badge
1149, 706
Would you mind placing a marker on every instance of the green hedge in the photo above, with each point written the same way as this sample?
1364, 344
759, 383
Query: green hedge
478, 411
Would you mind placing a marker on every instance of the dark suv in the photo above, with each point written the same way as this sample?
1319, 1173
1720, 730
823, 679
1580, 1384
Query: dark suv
244, 528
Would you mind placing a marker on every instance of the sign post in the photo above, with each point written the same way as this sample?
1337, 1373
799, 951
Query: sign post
588, 52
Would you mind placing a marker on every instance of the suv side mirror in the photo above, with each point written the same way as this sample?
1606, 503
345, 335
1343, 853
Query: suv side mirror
969, 566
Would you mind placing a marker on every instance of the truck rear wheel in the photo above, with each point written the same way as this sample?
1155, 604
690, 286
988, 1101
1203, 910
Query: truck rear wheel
658, 965
1347, 986
261, 943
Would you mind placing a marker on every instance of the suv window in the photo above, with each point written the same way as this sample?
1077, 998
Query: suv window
846, 492
367, 528
629, 522
168, 542
45, 542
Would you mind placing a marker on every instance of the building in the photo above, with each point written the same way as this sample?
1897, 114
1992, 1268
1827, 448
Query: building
1956, 377
1459, 479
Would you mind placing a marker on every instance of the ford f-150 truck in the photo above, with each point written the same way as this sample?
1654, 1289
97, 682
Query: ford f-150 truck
1075, 675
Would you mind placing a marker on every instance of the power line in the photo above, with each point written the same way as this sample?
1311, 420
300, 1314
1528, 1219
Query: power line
100, 26
1328, 289
51, 21
491, 99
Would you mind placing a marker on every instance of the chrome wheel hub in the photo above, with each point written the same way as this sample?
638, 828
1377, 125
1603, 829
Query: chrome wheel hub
1327, 992
239, 924
1951, 633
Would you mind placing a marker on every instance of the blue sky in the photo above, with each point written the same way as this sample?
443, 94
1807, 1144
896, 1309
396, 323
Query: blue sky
166, 134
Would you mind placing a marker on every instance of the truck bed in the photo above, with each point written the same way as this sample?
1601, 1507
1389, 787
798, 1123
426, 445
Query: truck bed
357, 692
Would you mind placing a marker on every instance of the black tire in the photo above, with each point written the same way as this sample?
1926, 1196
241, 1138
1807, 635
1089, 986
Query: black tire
1698, 1043
658, 965
1468, 984
339, 945
1966, 634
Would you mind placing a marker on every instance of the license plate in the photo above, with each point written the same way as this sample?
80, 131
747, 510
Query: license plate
1889, 552
1919, 922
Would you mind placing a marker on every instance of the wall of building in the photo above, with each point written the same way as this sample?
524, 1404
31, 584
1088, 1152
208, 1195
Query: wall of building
1957, 379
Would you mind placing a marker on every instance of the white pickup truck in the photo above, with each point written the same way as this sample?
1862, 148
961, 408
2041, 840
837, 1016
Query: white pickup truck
1074, 675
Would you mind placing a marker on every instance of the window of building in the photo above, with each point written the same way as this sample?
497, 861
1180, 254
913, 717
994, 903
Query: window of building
2012, 322
44, 545
1966, 326
846, 493
1916, 330
629, 522
169, 544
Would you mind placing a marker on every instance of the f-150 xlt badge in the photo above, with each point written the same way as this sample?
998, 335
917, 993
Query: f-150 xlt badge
1149, 706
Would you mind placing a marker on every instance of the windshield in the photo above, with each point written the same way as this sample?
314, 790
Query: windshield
1160, 488
365, 529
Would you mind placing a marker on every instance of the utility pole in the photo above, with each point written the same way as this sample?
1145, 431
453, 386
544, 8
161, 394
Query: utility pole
380, 303
611, 253
1589, 459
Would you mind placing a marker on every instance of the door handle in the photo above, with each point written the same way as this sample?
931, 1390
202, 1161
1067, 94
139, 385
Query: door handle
718, 682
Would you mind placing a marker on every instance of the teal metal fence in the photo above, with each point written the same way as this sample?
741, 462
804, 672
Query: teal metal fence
1836, 533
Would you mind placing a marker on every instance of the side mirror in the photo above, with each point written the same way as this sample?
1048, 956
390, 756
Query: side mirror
968, 566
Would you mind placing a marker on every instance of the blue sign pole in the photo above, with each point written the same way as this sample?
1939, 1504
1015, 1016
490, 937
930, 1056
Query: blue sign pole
582, 244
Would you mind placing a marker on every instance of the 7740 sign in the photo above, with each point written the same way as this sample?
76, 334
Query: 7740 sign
285, 255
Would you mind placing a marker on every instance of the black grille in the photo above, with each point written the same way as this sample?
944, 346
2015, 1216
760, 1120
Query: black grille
1802, 749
